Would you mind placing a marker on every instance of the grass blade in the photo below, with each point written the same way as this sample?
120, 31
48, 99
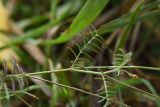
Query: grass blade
123, 38
85, 17
123, 21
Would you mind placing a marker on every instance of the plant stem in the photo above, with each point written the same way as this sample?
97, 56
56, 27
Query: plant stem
41, 72
87, 71
77, 89
124, 67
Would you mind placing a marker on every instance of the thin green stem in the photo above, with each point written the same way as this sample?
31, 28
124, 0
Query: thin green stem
41, 72
55, 71
124, 67
77, 89
134, 88
88, 71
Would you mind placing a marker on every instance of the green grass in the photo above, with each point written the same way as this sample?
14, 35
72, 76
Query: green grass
80, 69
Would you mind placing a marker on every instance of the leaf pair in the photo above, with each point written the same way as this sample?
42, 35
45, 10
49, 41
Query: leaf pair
121, 59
